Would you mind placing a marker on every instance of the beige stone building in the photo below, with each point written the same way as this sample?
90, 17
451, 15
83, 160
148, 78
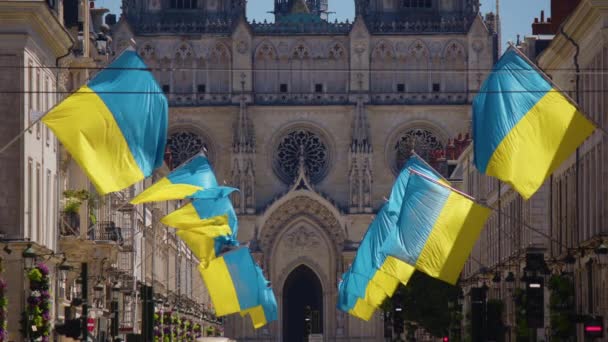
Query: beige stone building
32, 39
311, 120
47, 50
570, 209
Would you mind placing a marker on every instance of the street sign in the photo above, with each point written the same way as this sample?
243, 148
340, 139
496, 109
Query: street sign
90, 324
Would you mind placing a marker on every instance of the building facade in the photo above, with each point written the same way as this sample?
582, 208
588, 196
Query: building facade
51, 220
563, 225
312, 120
33, 38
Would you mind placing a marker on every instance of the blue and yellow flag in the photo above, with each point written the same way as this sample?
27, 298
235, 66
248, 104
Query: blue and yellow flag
523, 128
212, 214
416, 163
115, 127
352, 304
437, 228
373, 275
266, 312
193, 179
232, 282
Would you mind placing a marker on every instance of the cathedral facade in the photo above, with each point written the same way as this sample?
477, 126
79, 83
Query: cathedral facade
312, 119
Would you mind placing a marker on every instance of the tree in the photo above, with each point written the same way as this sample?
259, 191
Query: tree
424, 301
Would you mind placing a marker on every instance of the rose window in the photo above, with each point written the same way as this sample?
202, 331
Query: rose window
183, 146
425, 143
301, 146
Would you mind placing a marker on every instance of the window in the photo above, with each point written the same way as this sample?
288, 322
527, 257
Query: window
184, 4
39, 95
47, 104
318, 88
417, 3
401, 88
166, 88
283, 88
49, 201
202, 88
38, 202
436, 87
30, 197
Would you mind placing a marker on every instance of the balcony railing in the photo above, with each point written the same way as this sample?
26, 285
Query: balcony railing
194, 99
418, 98
301, 98
322, 98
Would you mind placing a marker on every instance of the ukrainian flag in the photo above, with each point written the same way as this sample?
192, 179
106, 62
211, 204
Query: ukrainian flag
416, 163
232, 282
214, 215
437, 228
266, 312
352, 304
205, 248
115, 127
193, 179
373, 275
523, 128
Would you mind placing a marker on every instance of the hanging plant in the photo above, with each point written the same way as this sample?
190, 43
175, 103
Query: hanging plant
38, 304
3, 306
197, 330
167, 326
158, 329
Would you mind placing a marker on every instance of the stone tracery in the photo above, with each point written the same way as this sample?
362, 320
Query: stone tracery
301, 143
421, 140
184, 145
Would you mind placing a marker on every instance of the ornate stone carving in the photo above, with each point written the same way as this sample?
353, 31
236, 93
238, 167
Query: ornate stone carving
304, 206
183, 145
242, 47
423, 141
301, 143
302, 238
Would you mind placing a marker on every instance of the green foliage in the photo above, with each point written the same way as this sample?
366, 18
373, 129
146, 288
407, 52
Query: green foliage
424, 301
562, 308
73, 199
522, 330
35, 275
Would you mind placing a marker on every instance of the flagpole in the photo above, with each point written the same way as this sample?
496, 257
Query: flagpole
550, 81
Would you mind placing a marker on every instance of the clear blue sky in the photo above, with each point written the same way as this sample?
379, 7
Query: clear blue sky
517, 15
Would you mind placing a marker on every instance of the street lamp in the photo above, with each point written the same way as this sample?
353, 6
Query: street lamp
29, 257
496, 278
602, 249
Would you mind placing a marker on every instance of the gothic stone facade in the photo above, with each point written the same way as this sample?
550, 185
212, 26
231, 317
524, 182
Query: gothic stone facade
312, 120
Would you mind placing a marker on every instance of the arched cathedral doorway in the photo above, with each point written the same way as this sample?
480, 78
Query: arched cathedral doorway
302, 305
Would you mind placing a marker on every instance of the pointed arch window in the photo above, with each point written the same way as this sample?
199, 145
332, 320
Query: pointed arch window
184, 4
417, 3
